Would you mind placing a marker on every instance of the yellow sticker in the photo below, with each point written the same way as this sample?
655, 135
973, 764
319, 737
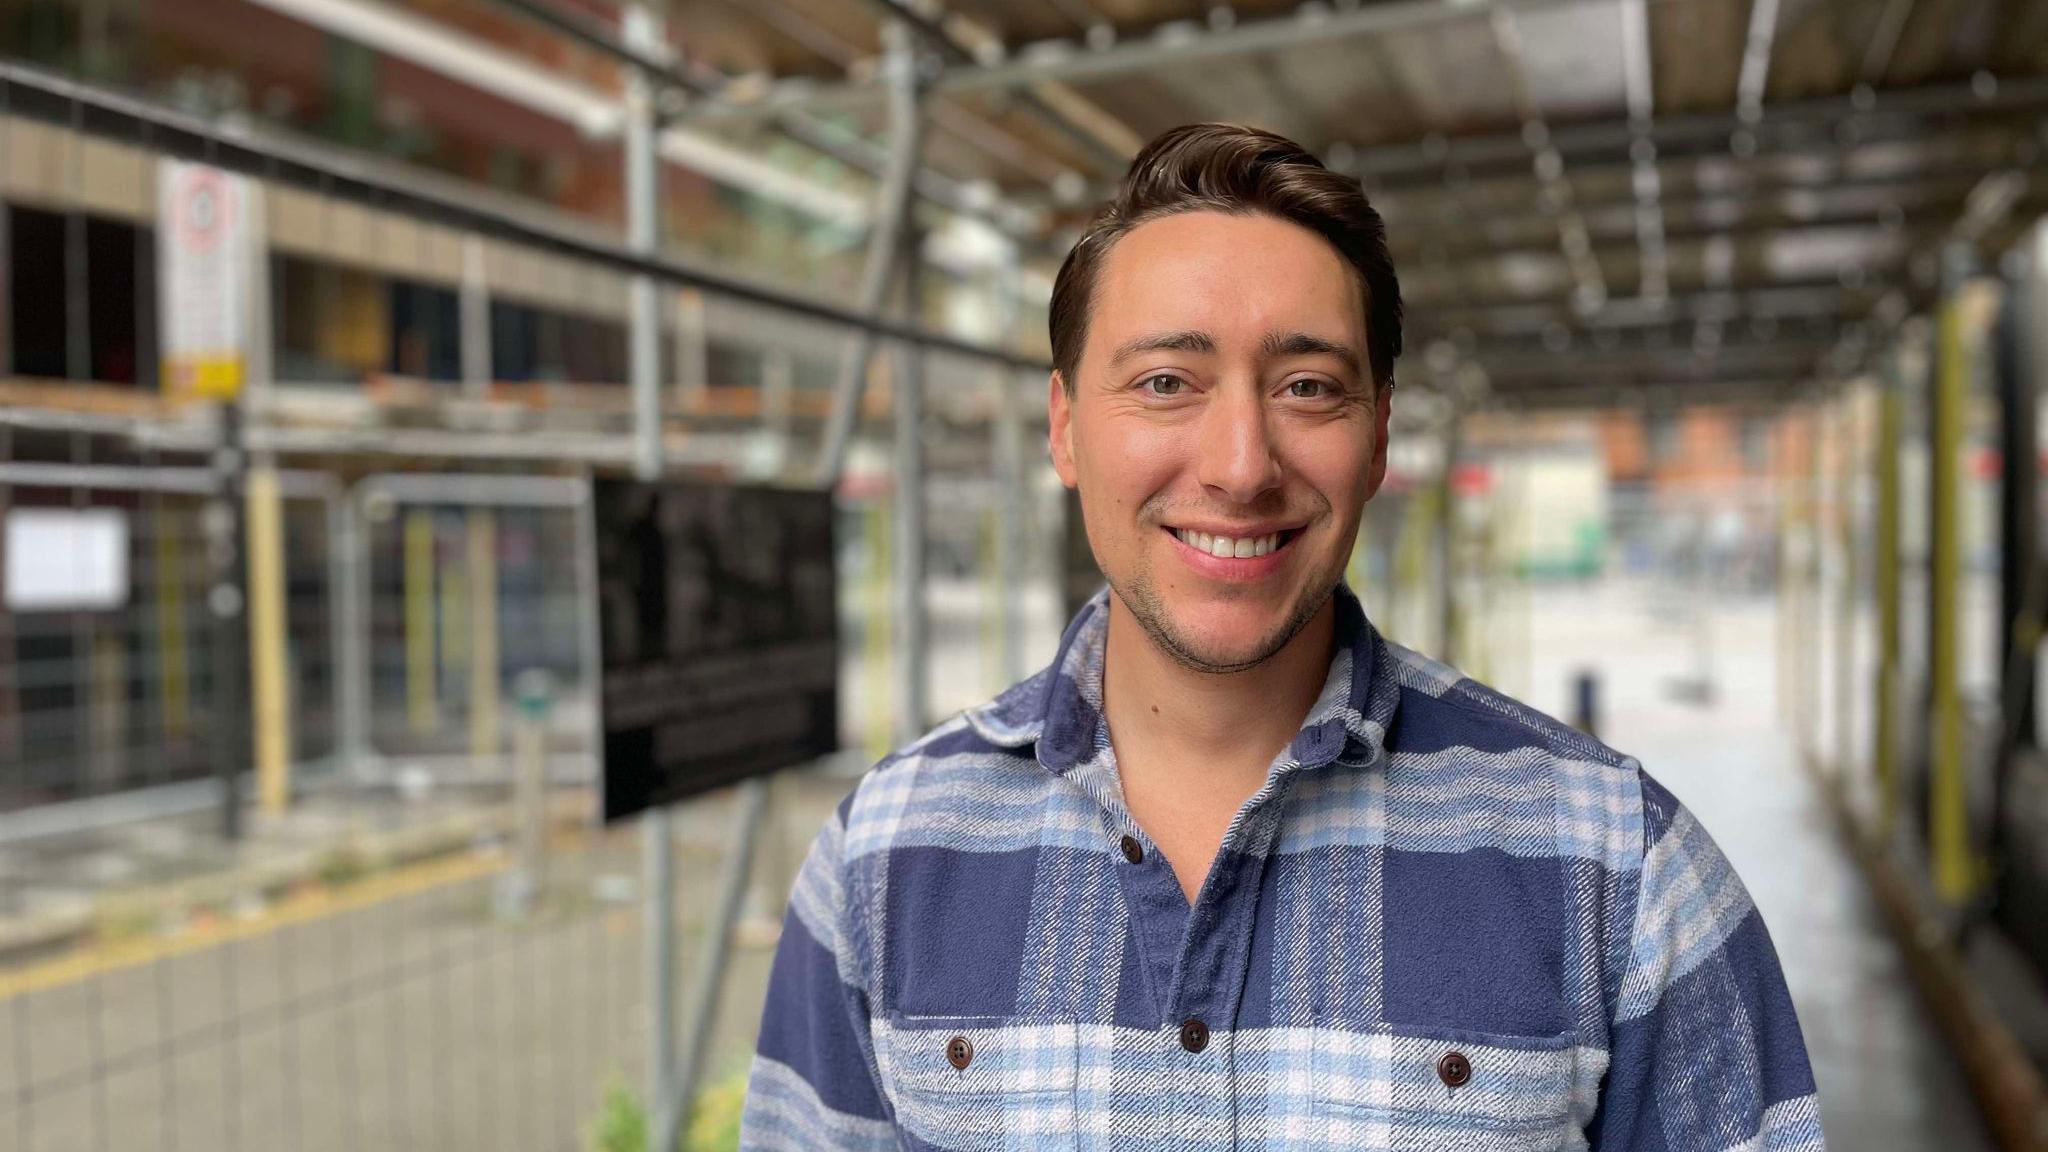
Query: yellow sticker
208, 377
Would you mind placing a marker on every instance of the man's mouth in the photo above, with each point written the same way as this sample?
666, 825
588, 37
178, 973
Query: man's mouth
1241, 547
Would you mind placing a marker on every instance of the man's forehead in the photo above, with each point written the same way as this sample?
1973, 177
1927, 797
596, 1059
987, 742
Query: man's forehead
1242, 285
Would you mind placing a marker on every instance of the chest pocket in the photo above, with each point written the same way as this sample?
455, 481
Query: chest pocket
1414, 1089
980, 1083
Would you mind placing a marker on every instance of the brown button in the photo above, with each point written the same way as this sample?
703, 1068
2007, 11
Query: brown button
959, 1051
1132, 851
1454, 1070
1194, 1035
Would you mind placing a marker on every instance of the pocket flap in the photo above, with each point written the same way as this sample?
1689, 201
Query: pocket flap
1446, 1079
997, 1055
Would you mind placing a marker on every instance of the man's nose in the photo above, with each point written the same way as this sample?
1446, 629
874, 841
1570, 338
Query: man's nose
1237, 461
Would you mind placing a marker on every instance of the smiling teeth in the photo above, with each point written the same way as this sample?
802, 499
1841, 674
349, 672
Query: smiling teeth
1228, 546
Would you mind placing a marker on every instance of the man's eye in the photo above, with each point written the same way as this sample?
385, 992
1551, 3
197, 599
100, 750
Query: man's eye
1308, 389
1164, 385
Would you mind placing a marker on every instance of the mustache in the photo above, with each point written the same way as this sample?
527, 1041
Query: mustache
1159, 509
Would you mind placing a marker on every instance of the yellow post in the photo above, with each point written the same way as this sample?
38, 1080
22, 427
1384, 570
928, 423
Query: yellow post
1884, 719
421, 708
270, 711
1948, 832
176, 684
452, 613
484, 689
875, 641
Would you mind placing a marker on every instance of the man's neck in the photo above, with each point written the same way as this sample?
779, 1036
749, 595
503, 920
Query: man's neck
1218, 731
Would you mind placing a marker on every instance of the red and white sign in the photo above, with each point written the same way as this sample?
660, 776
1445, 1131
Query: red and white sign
205, 263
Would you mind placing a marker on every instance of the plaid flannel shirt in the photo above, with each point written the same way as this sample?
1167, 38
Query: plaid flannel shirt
973, 960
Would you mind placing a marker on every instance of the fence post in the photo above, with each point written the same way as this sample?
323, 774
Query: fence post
349, 542
422, 704
271, 730
521, 891
484, 687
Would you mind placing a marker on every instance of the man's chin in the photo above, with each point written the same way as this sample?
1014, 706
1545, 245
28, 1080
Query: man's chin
1227, 641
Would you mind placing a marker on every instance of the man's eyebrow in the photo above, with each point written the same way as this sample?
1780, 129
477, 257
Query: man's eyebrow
1281, 345
1185, 341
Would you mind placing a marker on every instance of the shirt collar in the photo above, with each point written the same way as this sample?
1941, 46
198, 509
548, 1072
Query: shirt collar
1060, 708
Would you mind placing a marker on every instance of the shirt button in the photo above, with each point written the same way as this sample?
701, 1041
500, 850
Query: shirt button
1454, 1070
959, 1051
1194, 1035
1132, 851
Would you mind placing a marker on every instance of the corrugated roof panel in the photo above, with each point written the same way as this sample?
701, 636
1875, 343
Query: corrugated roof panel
1453, 74
1572, 57
1818, 47
1358, 91
1696, 54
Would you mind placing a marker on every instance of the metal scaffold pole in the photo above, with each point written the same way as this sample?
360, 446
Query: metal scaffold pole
1948, 831
643, 33
1819, 498
1849, 576
892, 239
913, 622
225, 522
1008, 431
1449, 622
1888, 693
892, 216
2024, 598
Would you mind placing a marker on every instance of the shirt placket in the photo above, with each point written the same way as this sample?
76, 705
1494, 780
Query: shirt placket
1197, 958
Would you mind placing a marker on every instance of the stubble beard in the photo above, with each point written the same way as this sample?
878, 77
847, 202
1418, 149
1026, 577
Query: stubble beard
1149, 610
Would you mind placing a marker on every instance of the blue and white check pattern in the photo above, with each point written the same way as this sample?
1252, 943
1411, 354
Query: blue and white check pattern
1429, 867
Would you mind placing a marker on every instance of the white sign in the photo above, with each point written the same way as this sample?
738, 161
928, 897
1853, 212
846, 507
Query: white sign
204, 266
64, 559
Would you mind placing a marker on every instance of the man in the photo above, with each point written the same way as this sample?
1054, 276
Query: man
1235, 871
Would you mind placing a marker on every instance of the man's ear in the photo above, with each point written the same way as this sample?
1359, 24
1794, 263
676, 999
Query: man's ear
1059, 412
1383, 408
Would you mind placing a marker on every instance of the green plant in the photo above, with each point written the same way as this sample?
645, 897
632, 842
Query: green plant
621, 1123
120, 921
341, 865
715, 1124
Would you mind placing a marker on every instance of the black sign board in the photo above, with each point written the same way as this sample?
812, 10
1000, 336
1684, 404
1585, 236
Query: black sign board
718, 617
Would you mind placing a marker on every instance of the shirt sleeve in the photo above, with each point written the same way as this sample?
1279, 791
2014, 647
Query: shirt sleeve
1706, 1052
813, 1081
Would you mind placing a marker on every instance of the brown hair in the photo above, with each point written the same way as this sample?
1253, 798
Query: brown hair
1239, 170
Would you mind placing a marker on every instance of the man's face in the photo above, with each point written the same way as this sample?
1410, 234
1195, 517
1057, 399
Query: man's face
1224, 392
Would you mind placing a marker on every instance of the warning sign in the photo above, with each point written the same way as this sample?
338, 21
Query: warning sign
205, 260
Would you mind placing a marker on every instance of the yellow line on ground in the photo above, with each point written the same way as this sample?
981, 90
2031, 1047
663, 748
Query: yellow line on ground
312, 904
